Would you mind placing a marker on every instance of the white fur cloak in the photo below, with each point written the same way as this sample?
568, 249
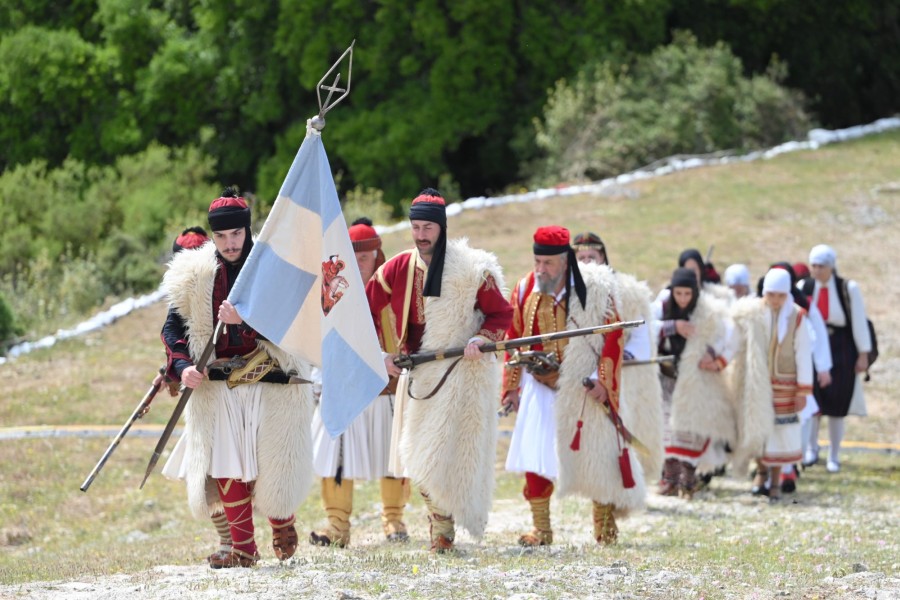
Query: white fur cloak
641, 394
702, 402
284, 453
448, 443
751, 382
593, 471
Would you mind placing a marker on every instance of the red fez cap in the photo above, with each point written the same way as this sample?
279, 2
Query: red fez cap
227, 202
364, 237
551, 239
190, 238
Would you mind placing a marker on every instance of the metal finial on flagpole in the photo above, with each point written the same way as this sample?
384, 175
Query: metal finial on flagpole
318, 122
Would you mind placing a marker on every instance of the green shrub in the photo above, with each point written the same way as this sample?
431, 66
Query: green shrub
7, 322
368, 202
681, 99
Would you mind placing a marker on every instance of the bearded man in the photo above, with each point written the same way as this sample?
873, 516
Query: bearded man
558, 295
440, 295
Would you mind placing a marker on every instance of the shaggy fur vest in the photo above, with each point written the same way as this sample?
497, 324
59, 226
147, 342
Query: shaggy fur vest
701, 401
641, 405
284, 453
751, 381
448, 442
593, 471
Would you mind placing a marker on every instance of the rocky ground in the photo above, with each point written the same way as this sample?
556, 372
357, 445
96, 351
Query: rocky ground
653, 560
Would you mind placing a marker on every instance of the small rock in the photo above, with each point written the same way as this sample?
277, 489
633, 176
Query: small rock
859, 568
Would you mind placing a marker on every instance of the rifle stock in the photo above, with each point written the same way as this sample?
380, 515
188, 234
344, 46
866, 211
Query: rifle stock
408, 361
137, 414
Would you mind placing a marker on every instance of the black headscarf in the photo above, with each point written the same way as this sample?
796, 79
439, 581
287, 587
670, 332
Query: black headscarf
429, 205
674, 344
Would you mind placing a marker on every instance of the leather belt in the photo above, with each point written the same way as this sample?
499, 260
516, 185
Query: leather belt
273, 376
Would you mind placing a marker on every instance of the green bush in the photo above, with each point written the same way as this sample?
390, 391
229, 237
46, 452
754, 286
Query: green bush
75, 234
7, 323
681, 99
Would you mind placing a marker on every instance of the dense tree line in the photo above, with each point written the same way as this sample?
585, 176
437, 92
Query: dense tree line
439, 88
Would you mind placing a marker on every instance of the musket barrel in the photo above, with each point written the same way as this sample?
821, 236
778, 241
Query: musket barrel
148, 397
412, 360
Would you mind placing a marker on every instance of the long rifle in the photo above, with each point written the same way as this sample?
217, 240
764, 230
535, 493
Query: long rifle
408, 361
182, 402
137, 414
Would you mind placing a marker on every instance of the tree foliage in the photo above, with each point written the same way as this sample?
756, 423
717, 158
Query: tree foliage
680, 99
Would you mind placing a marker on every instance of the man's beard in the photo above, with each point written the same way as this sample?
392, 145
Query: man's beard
548, 286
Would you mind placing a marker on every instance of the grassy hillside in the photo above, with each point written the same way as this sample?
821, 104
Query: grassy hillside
847, 195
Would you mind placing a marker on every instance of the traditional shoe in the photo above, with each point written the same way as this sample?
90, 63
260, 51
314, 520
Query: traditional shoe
329, 538
395, 531
235, 558
788, 483
833, 466
668, 485
217, 556
760, 485
687, 481
810, 458
535, 538
284, 541
606, 531
774, 498
442, 544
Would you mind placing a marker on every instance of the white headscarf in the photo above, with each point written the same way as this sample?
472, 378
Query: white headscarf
779, 282
737, 275
823, 255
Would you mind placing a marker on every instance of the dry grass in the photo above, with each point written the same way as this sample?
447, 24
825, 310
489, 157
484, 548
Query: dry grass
754, 213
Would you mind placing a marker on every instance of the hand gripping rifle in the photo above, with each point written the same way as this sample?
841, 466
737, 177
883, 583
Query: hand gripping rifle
410, 361
139, 412
182, 402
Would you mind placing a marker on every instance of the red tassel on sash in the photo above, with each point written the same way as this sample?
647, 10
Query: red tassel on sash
625, 468
576, 441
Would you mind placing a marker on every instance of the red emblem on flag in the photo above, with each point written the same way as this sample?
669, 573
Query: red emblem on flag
333, 285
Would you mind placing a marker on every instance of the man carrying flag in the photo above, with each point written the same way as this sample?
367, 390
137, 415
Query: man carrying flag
247, 430
445, 294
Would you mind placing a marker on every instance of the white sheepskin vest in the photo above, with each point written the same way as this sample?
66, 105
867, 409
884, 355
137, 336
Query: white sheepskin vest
701, 401
593, 471
284, 454
641, 394
750, 381
449, 441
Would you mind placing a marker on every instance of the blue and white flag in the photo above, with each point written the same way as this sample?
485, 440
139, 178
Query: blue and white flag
301, 288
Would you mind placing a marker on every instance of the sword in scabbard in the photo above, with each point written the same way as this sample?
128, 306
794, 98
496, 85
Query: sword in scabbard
408, 361
182, 402
617, 422
139, 412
